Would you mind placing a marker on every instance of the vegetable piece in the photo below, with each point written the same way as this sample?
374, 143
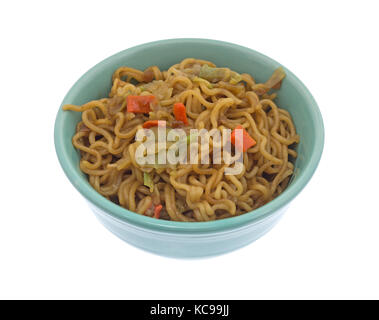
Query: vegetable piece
276, 78
212, 74
247, 141
236, 77
147, 181
157, 211
180, 112
139, 104
218, 74
153, 123
159, 88
278, 85
274, 82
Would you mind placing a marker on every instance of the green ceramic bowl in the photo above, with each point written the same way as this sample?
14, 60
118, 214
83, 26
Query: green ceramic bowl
191, 239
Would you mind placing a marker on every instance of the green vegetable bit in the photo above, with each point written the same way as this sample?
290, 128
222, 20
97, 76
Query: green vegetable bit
148, 182
212, 74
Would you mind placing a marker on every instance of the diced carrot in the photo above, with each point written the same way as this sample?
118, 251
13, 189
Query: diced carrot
180, 112
247, 142
153, 123
157, 211
139, 104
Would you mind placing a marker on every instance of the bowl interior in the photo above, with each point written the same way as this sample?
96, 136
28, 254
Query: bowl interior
293, 96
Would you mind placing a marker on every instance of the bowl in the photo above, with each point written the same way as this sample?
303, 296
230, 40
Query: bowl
191, 239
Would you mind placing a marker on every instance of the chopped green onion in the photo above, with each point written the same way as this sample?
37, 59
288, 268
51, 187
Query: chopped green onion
148, 182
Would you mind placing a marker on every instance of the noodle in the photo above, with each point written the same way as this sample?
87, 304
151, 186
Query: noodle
219, 99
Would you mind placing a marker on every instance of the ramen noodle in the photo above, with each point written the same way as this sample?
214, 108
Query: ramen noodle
193, 94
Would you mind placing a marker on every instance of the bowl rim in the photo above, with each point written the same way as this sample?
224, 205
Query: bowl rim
138, 220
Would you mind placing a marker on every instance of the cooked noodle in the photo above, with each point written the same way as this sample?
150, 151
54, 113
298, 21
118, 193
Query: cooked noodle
187, 192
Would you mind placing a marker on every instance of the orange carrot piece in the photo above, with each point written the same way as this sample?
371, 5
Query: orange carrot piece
157, 211
247, 142
153, 123
139, 104
180, 112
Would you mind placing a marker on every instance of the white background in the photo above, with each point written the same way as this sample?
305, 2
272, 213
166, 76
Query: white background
326, 246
